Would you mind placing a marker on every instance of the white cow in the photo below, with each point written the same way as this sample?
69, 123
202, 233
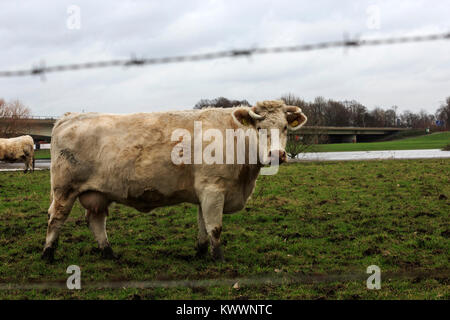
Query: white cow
128, 159
20, 149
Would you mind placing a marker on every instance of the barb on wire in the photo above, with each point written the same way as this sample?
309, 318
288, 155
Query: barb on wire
41, 70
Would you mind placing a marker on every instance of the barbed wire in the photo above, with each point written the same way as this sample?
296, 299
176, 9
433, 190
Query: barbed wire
42, 69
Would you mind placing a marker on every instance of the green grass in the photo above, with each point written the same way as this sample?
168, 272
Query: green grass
313, 229
432, 141
404, 134
42, 154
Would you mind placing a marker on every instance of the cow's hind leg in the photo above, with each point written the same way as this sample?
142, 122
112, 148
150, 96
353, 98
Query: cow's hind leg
30, 165
202, 240
57, 214
212, 202
96, 205
26, 162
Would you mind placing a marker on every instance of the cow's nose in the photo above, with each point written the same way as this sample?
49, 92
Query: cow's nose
282, 157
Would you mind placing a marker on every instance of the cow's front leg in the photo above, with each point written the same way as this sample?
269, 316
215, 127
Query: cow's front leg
212, 202
202, 240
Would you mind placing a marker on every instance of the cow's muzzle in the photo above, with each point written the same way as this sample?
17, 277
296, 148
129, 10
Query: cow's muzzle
277, 156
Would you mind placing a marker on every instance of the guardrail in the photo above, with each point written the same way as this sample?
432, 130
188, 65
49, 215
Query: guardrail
32, 118
42, 117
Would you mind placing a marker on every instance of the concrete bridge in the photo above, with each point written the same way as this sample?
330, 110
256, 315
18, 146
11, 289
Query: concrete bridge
40, 128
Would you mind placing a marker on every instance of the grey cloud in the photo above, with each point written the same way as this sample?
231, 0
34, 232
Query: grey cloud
411, 76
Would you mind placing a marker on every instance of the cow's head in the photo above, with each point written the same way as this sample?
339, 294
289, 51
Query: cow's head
272, 115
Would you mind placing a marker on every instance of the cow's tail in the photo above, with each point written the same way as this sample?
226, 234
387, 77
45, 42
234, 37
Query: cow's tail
34, 161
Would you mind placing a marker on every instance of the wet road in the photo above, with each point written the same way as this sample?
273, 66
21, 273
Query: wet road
373, 155
39, 165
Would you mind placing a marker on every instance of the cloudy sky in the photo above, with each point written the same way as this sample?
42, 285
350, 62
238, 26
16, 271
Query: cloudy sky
411, 76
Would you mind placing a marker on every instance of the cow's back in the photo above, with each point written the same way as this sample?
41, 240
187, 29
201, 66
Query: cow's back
128, 157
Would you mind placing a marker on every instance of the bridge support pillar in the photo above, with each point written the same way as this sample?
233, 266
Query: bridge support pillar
351, 138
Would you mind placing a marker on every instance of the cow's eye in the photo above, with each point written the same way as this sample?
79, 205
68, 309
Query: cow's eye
285, 128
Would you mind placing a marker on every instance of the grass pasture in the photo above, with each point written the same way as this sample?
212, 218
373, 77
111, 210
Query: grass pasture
42, 154
432, 141
308, 232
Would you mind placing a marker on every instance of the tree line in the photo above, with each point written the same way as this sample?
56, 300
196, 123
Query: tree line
351, 113
12, 114
320, 112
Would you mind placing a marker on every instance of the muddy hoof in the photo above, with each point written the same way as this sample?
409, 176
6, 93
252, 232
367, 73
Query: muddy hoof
107, 253
217, 254
201, 249
48, 254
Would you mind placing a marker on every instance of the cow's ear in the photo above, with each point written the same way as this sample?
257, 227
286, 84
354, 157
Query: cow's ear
242, 117
295, 117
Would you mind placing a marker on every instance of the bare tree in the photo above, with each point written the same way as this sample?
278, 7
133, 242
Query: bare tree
336, 114
220, 102
293, 100
443, 113
316, 112
13, 118
203, 103
389, 118
357, 113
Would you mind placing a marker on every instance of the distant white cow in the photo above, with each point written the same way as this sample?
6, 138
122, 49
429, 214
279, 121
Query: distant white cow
20, 149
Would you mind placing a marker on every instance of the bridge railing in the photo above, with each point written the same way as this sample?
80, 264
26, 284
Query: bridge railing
32, 118
43, 117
